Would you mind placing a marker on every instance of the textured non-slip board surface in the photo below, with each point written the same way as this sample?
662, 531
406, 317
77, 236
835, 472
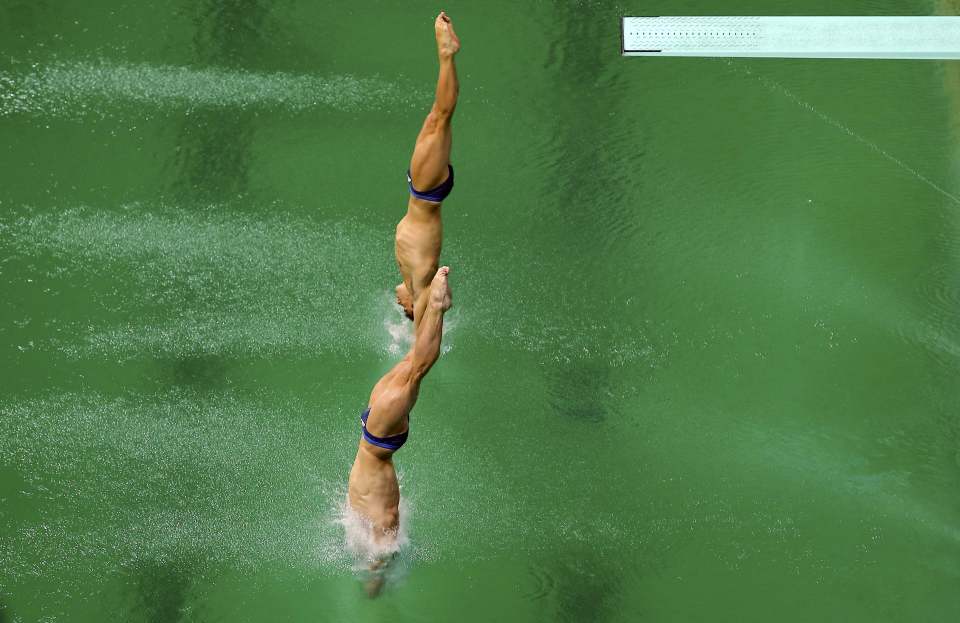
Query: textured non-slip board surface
800, 37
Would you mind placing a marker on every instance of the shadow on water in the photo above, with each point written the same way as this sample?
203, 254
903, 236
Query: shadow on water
203, 372
161, 590
586, 172
582, 586
213, 155
213, 146
576, 390
590, 152
230, 33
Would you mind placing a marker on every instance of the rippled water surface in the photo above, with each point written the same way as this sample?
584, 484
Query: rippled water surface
703, 363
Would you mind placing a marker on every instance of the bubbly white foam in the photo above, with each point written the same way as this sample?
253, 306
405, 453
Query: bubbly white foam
360, 538
399, 328
397, 325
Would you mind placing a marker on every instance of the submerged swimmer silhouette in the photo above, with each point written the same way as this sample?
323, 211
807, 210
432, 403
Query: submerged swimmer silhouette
373, 490
419, 232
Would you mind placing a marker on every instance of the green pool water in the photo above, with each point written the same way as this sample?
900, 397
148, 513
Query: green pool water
702, 365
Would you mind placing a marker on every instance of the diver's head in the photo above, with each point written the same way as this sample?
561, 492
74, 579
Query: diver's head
405, 300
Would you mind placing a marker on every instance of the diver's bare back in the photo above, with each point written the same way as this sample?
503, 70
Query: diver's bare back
419, 234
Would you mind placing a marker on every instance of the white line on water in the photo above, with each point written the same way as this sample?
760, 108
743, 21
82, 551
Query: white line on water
775, 87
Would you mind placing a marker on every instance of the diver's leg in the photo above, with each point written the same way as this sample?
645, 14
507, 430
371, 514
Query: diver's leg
431, 154
391, 400
435, 301
418, 239
394, 395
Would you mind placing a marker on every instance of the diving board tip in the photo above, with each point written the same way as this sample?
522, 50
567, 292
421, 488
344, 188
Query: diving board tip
881, 37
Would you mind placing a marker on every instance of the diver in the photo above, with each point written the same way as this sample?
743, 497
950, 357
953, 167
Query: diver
373, 492
419, 232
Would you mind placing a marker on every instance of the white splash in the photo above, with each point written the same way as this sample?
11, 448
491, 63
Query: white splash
88, 87
399, 328
359, 540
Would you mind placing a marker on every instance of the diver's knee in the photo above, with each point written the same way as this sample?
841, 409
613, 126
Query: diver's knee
442, 110
438, 121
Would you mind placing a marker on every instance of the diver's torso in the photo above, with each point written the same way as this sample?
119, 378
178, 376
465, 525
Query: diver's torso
418, 243
373, 490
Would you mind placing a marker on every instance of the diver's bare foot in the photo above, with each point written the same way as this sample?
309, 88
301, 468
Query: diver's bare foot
440, 296
448, 43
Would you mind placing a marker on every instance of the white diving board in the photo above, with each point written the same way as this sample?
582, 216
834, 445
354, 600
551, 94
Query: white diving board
793, 37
